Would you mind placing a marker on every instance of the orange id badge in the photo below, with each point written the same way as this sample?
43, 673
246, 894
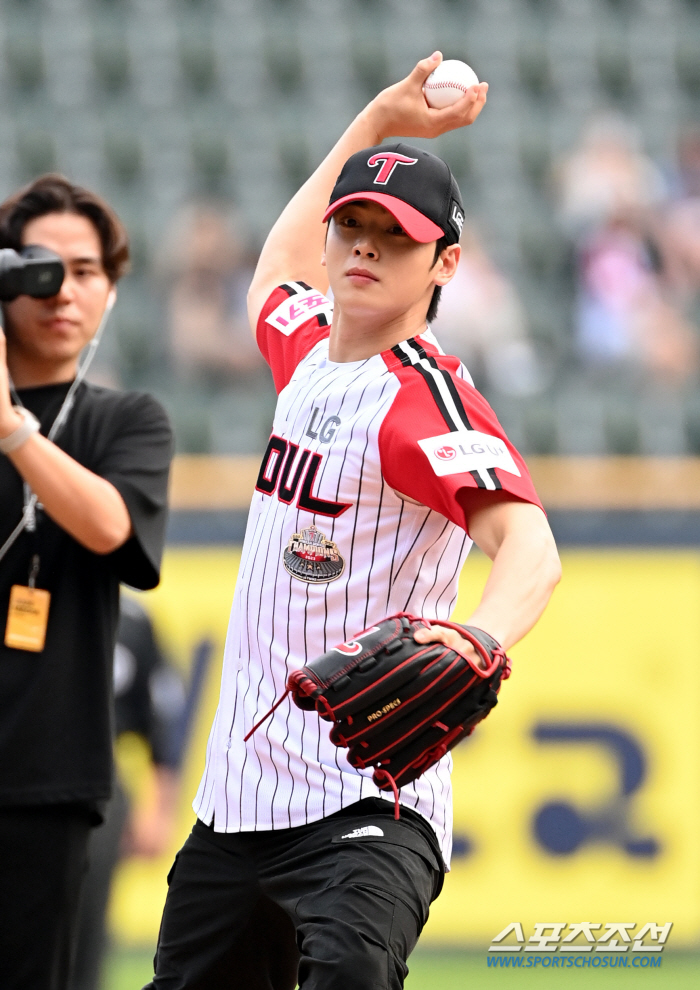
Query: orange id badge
27, 618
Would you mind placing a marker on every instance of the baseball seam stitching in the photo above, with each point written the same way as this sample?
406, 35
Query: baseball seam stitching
446, 85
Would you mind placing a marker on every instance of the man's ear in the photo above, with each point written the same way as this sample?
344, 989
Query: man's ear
447, 263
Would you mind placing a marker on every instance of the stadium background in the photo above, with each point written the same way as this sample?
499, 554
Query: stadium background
170, 106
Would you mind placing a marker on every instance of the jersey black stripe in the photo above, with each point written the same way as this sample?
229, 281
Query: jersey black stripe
374, 550
435, 392
333, 522
259, 523
273, 615
449, 582
419, 567
358, 376
480, 483
456, 397
393, 556
494, 477
446, 377
403, 358
351, 555
295, 529
432, 385
407, 556
288, 289
205, 782
268, 559
437, 572
227, 802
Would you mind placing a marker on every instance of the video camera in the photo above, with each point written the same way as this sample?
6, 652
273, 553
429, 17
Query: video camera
33, 271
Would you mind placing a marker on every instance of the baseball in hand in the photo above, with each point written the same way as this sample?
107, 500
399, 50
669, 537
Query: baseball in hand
448, 83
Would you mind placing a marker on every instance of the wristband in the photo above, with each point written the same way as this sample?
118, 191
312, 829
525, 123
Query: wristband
30, 424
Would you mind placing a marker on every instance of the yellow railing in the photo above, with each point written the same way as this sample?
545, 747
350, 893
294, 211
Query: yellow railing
574, 483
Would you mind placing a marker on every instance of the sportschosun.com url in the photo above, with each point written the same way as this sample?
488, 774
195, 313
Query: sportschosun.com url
571, 962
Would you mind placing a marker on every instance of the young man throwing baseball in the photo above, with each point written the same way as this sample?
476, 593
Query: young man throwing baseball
383, 465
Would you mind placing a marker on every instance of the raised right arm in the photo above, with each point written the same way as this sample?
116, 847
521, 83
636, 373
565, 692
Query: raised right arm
294, 246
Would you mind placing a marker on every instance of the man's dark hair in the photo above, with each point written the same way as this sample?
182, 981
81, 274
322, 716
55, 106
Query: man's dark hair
53, 193
437, 291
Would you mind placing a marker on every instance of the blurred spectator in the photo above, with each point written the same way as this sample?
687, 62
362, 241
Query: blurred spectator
149, 701
680, 227
622, 316
606, 175
481, 320
208, 272
611, 198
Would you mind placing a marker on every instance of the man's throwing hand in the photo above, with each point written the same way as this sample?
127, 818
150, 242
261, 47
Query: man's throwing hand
401, 110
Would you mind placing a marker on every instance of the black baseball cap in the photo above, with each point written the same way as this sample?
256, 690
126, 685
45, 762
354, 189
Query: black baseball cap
414, 186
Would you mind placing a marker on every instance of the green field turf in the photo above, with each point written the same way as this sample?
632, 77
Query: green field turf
431, 970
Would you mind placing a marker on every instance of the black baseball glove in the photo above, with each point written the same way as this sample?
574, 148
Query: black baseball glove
398, 705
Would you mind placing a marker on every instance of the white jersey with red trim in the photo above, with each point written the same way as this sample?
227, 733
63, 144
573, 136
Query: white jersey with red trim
358, 513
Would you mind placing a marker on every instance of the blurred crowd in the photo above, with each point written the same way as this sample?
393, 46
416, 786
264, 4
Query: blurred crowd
635, 232
205, 271
632, 227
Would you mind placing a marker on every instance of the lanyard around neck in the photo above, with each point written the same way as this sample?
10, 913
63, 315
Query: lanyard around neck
31, 502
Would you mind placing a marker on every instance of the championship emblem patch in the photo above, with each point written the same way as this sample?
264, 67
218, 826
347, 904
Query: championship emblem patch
313, 558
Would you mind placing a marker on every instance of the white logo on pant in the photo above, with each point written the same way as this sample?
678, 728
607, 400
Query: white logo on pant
361, 833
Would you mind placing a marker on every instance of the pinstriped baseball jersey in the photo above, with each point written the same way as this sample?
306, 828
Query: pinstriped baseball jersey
358, 513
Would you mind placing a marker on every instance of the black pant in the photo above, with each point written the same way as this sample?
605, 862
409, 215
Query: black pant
337, 904
44, 856
103, 856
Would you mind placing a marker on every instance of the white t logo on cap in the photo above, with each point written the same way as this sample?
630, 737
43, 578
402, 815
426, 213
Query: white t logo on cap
390, 160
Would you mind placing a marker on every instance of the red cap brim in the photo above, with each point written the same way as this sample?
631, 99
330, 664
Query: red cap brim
414, 223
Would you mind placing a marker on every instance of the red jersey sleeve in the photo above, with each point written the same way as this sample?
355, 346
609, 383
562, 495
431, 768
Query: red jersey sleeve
441, 440
294, 319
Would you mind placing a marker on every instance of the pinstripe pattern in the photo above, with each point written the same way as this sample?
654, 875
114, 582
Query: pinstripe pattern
398, 557
439, 381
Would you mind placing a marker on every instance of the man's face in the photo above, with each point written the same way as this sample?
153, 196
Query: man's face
55, 330
375, 268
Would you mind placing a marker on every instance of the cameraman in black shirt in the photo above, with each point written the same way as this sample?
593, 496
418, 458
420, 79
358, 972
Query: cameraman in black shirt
83, 483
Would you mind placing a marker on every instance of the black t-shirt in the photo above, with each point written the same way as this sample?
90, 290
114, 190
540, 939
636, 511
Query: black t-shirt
55, 706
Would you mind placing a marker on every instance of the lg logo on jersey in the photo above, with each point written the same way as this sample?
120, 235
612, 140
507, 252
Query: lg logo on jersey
328, 429
283, 472
446, 453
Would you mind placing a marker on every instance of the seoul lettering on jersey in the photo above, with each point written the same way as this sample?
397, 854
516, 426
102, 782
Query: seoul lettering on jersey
281, 471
